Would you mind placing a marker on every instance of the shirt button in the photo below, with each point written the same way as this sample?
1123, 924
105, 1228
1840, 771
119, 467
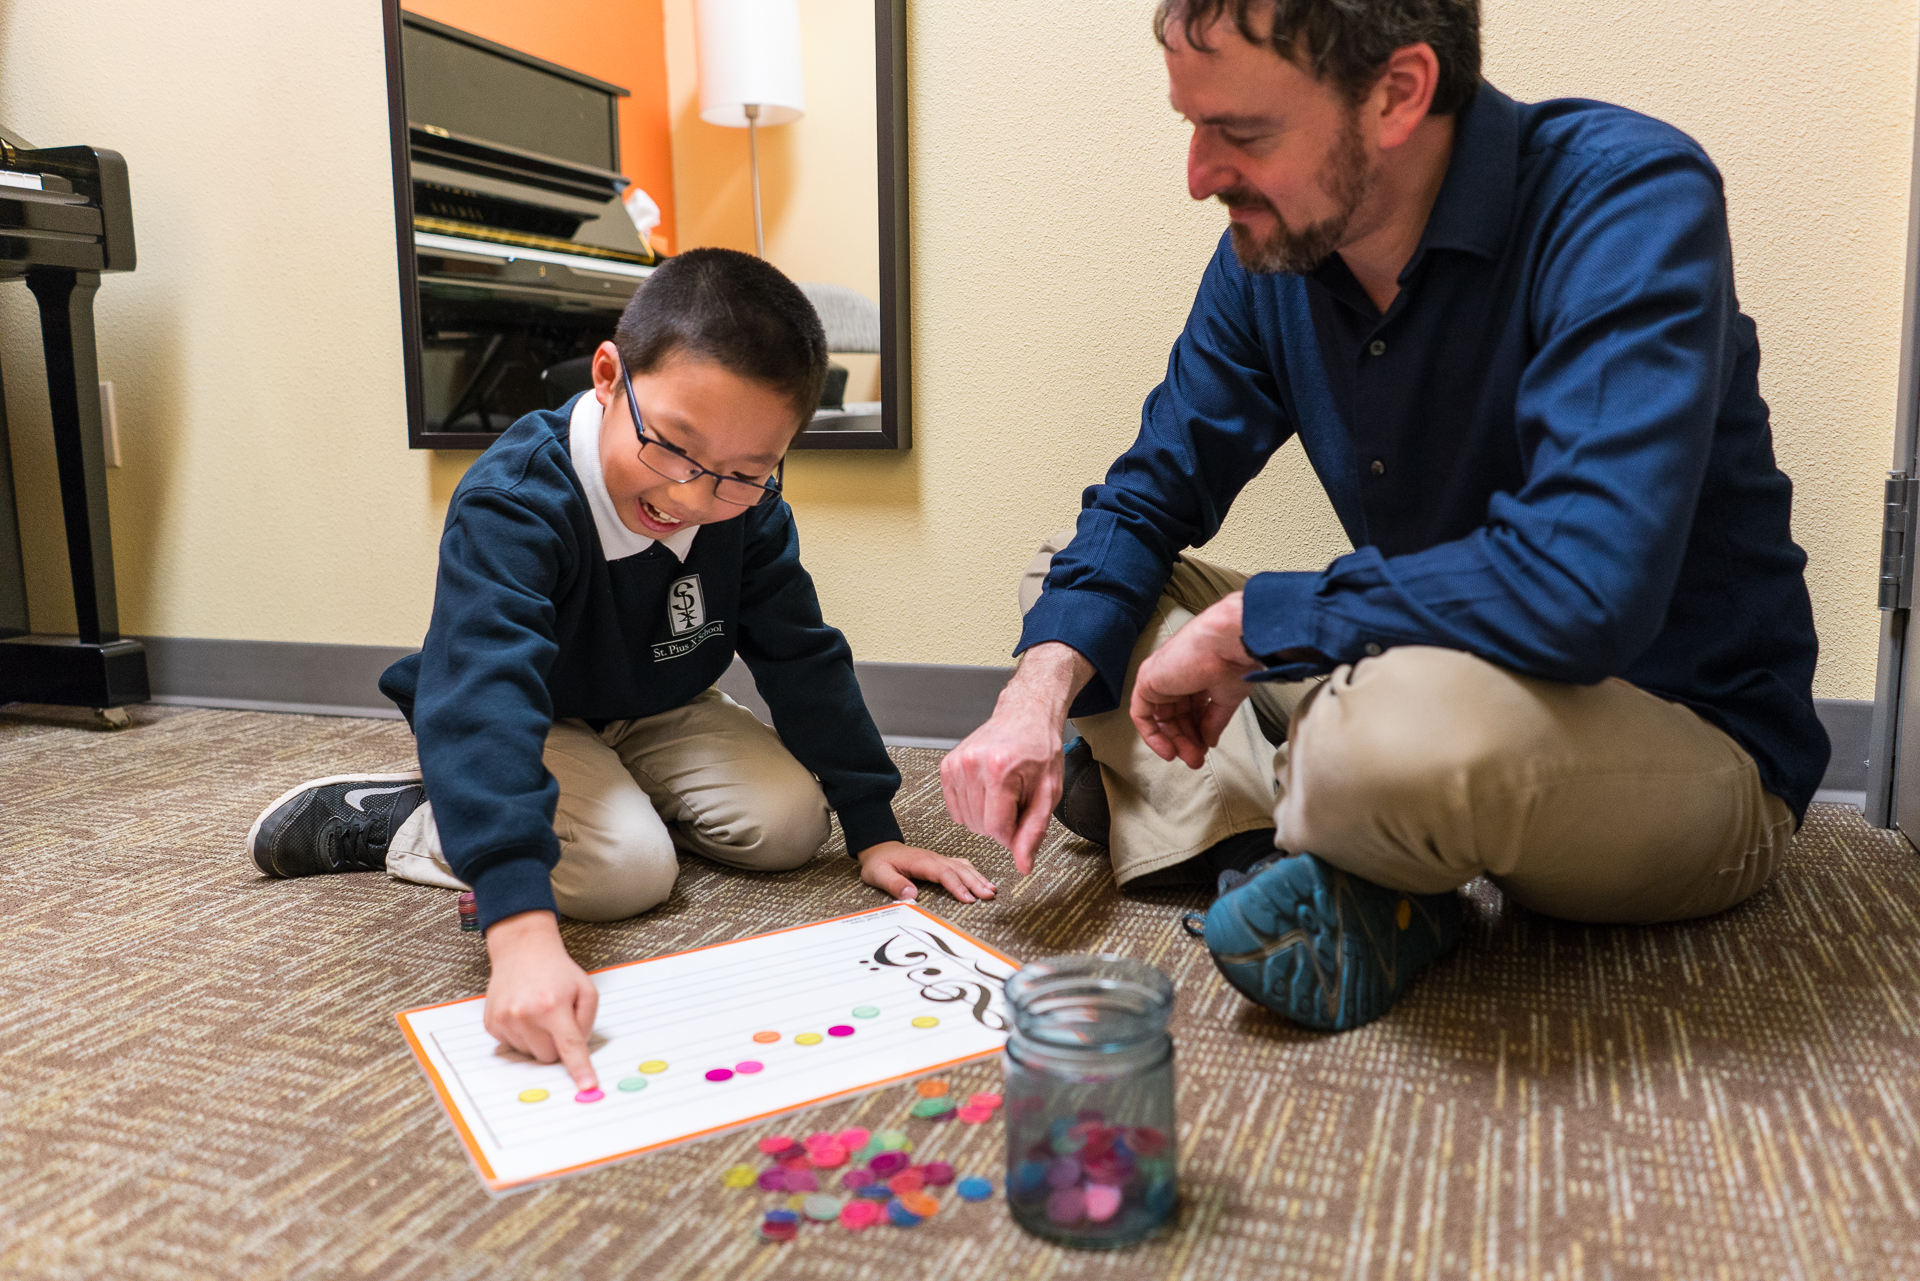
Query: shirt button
1371, 650
1378, 347
1379, 468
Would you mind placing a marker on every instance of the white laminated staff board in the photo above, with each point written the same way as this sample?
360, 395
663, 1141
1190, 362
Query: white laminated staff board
693, 1044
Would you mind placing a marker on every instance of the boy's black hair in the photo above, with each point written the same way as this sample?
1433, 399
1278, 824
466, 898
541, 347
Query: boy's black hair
733, 309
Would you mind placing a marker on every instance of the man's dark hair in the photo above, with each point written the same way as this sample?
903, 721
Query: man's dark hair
1346, 43
735, 310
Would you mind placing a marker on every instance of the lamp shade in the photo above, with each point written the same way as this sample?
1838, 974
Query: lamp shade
749, 53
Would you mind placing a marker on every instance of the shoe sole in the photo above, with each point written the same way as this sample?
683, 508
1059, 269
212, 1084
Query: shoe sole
1329, 973
253, 833
1253, 962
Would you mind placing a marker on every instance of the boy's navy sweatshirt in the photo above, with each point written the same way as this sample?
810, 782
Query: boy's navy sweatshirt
532, 624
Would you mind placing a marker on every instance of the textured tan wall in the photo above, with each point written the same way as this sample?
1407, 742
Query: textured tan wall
268, 493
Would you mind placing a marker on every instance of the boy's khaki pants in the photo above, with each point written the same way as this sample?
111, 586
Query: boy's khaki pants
1424, 768
707, 777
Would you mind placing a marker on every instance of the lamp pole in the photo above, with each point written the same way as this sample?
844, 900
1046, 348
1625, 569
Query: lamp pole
752, 110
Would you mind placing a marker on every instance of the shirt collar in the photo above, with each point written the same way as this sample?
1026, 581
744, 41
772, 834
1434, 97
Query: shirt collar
617, 542
1475, 205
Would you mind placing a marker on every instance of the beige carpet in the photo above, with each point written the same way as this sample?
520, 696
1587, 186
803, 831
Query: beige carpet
200, 1075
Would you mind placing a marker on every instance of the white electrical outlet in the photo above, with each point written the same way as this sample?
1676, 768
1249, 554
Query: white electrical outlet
109, 426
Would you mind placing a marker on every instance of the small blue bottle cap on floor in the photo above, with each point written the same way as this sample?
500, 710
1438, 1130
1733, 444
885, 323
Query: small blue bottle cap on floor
973, 1188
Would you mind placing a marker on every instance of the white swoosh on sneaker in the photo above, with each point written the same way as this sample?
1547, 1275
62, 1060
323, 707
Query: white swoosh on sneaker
359, 794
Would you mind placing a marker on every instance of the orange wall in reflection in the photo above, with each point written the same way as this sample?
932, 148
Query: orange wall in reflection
622, 41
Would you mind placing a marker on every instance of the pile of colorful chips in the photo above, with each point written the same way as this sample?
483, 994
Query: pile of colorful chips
1085, 1170
469, 914
880, 1179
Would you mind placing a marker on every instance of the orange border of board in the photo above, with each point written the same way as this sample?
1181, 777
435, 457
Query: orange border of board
498, 1185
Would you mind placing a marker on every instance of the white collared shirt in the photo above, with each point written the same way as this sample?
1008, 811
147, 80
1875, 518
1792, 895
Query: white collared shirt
617, 542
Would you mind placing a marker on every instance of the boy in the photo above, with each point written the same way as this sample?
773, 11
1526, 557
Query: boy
598, 571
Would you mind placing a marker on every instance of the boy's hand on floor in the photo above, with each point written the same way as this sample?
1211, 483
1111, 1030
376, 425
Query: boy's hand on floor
539, 1001
893, 866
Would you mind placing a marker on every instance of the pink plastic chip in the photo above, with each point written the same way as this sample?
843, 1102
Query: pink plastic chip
589, 1096
860, 1214
853, 1139
774, 1144
1103, 1201
827, 1156
975, 1115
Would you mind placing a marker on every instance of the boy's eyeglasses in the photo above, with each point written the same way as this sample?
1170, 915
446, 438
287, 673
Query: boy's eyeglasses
669, 463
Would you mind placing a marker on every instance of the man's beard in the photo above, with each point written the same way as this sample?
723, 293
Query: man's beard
1345, 178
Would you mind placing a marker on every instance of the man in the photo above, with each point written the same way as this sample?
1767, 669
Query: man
1572, 649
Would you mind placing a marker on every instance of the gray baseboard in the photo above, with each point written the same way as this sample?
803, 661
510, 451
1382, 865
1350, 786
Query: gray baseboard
914, 704
1848, 721
270, 676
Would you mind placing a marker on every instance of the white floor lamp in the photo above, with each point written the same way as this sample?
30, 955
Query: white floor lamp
750, 74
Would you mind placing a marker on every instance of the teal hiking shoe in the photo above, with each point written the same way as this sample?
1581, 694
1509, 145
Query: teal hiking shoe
1325, 949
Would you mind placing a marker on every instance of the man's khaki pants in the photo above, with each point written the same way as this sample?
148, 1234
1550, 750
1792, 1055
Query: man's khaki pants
1424, 768
707, 777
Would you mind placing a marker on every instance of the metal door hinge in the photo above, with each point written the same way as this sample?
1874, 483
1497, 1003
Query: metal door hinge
1896, 541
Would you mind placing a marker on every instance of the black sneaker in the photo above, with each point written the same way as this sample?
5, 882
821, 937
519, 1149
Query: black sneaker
339, 824
1083, 797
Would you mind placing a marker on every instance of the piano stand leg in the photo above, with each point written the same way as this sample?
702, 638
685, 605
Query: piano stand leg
73, 389
113, 717
98, 669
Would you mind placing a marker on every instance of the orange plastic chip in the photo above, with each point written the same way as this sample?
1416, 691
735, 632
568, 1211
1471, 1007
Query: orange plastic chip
931, 1089
920, 1203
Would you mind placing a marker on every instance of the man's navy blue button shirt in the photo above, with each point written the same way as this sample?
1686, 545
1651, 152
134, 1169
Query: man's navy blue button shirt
1550, 451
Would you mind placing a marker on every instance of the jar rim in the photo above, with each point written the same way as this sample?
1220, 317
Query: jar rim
1101, 1002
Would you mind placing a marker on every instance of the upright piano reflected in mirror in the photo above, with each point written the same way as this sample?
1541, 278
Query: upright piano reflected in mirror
524, 255
518, 255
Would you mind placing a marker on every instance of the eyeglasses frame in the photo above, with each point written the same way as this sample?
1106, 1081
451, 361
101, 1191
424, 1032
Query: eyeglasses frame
768, 492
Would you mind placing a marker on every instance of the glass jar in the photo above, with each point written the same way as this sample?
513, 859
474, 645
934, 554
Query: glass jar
1089, 1100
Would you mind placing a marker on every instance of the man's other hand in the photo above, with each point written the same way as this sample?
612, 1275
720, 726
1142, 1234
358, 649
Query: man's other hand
1187, 690
538, 1001
1003, 780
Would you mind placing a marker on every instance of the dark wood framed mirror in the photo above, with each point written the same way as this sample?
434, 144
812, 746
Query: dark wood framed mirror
516, 251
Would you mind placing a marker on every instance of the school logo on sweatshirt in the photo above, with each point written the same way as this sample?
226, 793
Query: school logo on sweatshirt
686, 607
686, 620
